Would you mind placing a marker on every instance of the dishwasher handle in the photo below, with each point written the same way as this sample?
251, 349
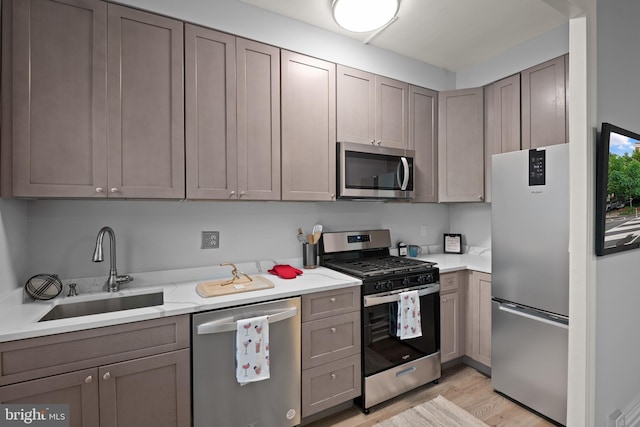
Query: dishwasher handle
228, 324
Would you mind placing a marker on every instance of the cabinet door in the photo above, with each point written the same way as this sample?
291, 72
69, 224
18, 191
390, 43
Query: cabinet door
479, 317
450, 326
77, 389
258, 86
152, 391
210, 84
461, 145
423, 110
392, 112
502, 122
146, 105
356, 94
544, 116
59, 54
308, 128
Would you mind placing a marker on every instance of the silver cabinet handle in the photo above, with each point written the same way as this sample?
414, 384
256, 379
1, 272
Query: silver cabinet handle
373, 142
88, 380
332, 299
106, 376
99, 190
242, 193
480, 197
333, 330
379, 142
333, 376
228, 324
114, 190
232, 192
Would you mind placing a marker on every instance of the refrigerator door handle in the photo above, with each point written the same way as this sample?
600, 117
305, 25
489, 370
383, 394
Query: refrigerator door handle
544, 319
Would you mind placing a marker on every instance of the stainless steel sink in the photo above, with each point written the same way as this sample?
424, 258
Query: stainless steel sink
106, 305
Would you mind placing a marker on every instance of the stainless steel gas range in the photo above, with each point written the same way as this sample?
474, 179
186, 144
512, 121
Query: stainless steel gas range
390, 365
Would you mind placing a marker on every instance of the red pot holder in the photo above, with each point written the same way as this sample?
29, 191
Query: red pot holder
285, 271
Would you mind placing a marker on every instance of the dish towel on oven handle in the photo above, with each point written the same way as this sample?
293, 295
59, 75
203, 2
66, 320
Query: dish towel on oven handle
409, 322
252, 349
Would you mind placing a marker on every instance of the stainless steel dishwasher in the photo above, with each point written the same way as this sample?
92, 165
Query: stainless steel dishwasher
218, 399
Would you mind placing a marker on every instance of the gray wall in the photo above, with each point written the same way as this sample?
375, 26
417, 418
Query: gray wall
617, 286
13, 244
161, 235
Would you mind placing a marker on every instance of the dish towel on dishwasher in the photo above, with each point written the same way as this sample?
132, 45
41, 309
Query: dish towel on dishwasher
409, 323
252, 349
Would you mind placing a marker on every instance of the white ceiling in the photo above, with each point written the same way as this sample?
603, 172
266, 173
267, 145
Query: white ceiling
451, 34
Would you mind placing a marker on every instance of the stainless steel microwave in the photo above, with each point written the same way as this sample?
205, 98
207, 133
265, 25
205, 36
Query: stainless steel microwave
374, 172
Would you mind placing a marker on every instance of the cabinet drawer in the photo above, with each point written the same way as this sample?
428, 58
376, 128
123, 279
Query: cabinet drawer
449, 282
331, 384
44, 356
330, 339
329, 303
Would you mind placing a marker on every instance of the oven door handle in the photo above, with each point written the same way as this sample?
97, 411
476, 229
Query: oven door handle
371, 300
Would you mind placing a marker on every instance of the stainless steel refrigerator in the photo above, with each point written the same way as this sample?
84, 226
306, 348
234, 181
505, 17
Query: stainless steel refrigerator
530, 278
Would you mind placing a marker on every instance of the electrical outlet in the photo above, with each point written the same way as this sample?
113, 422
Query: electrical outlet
210, 240
423, 230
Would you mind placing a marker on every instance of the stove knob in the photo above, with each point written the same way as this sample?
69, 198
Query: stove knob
429, 278
388, 286
422, 279
378, 286
406, 281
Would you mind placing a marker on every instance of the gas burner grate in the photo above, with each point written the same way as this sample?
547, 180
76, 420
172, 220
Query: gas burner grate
365, 267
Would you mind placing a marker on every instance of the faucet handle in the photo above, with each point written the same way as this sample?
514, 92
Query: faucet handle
72, 290
125, 278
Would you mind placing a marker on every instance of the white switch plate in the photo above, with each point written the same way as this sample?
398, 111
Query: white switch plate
423, 230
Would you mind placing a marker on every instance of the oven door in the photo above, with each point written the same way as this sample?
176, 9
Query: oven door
368, 171
382, 347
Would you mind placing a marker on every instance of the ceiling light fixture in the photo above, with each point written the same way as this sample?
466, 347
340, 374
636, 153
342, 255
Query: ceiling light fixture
361, 16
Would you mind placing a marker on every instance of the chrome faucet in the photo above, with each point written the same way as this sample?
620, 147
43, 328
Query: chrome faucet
114, 281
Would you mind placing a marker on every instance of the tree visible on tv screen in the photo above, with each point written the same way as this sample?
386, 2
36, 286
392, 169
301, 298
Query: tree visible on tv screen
624, 177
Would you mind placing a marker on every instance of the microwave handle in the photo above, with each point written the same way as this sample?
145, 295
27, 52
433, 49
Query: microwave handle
405, 180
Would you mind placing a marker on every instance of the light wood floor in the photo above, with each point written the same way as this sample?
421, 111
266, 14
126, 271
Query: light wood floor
462, 385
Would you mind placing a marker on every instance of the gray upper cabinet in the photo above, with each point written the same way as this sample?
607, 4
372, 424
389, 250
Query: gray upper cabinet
97, 101
233, 117
372, 109
58, 52
146, 105
423, 126
461, 145
308, 128
502, 122
544, 104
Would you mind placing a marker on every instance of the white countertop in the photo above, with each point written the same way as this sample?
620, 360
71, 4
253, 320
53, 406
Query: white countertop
452, 262
19, 320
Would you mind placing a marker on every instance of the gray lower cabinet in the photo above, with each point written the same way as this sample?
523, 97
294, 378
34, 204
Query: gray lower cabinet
544, 104
308, 100
478, 313
331, 346
126, 375
97, 102
452, 337
423, 134
232, 117
461, 145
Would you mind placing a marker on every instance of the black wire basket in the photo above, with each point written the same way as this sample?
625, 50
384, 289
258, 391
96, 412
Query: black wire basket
43, 286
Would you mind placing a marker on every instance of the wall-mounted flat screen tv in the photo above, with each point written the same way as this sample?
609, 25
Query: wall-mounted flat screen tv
617, 190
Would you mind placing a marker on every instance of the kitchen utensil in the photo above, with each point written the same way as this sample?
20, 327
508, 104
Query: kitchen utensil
301, 237
317, 232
